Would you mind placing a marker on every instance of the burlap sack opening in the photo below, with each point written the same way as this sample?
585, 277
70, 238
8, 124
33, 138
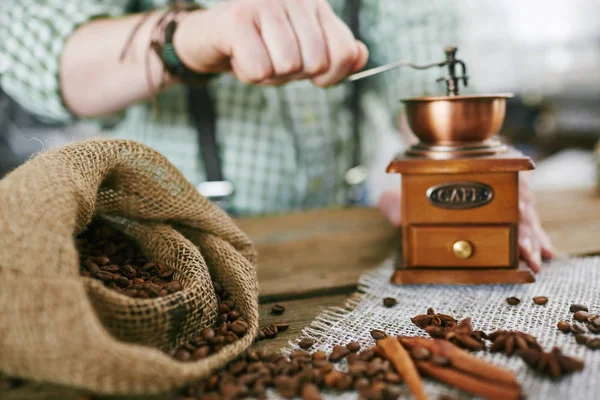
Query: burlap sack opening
61, 328
164, 322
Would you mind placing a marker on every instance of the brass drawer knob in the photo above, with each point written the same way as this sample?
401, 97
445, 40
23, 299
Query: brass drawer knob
462, 249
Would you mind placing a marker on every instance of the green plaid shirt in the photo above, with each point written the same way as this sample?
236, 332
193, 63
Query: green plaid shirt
284, 148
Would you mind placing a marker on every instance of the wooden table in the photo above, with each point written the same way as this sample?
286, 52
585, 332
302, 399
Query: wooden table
312, 260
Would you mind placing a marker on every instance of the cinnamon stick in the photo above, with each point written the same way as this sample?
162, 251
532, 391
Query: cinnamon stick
403, 364
487, 390
463, 361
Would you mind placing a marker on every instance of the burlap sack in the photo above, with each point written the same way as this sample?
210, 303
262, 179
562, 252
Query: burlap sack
61, 328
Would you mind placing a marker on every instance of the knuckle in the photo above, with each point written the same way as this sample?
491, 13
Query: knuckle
240, 12
290, 66
317, 67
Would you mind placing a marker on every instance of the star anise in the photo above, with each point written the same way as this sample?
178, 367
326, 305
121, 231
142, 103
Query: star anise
510, 342
553, 363
464, 336
444, 322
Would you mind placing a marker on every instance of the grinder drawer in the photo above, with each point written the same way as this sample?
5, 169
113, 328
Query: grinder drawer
460, 246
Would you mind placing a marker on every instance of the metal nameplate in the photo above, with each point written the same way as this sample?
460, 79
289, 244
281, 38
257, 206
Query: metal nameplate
460, 195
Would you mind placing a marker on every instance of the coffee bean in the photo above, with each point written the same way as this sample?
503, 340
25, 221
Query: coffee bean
201, 352
237, 367
102, 260
166, 274
281, 326
353, 347
392, 377
122, 281
223, 309
420, 353
105, 276
207, 333
361, 384
128, 271
260, 335
594, 329
577, 329
353, 357
389, 302
233, 315
367, 355
581, 315
306, 343
183, 355
270, 331
378, 335
111, 268
358, 368
338, 353
239, 327
513, 301
310, 391
318, 355
593, 344
564, 326
578, 307
540, 300
277, 309
581, 339
286, 386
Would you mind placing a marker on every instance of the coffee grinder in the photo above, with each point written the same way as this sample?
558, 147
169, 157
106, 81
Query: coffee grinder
460, 189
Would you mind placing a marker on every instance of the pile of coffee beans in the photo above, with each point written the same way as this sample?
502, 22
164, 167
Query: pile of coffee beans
581, 316
301, 374
107, 254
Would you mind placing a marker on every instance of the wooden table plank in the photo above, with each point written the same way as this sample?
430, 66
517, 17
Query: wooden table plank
326, 251
572, 220
316, 252
298, 314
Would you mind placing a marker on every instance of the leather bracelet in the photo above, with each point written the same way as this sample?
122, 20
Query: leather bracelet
173, 63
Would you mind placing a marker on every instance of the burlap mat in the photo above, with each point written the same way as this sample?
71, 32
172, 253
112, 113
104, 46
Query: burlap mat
564, 282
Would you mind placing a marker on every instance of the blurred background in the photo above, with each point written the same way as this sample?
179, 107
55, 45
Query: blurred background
545, 52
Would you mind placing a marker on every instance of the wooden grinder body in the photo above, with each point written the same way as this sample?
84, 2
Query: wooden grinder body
460, 219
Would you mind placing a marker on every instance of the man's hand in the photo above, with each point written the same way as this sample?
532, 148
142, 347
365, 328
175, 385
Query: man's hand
534, 243
270, 42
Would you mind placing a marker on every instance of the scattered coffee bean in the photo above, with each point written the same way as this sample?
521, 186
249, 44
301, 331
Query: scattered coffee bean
594, 329
281, 326
318, 355
389, 302
581, 339
540, 300
581, 315
513, 301
306, 343
270, 331
577, 329
277, 309
593, 344
353, 347
338, 353
310, 391
578, 307
239, 327
420, 353
564, 326
378, 335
